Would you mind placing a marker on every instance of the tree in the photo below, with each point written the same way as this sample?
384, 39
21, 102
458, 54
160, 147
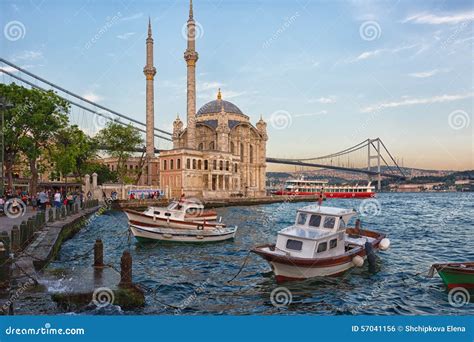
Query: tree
104, 174
119, 140
72, 150
31, 126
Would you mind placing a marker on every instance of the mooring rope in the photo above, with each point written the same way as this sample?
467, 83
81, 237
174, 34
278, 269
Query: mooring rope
241, 267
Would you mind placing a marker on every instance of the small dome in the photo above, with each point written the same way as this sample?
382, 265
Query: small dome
216, 105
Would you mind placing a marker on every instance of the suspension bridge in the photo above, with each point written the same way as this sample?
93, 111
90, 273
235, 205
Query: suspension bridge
370, 157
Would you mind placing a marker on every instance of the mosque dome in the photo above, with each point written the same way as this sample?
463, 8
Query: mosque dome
216, 106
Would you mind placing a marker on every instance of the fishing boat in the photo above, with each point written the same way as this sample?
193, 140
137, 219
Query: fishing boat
181, 221
320, 244
302, 187
455, 274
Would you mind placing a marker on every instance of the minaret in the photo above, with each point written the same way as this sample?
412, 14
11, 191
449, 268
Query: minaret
150, 71
191, 57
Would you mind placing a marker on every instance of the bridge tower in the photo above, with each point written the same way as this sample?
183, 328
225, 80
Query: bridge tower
191, 57
150, 71
376, 156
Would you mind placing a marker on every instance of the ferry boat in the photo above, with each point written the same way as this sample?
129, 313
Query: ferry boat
320, 244
455, 274
183, 221
314, 187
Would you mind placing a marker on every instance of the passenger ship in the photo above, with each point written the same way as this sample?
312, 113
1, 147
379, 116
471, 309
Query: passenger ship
314, 187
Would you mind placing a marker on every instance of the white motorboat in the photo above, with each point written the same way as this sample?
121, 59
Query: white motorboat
320, 244
182, 221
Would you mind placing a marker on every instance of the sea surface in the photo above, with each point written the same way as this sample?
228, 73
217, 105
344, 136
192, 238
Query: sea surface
194, 279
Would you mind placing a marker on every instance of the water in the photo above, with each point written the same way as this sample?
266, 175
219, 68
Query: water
423, 229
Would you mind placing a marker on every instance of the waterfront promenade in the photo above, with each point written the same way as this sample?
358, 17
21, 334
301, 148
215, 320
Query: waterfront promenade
7, 223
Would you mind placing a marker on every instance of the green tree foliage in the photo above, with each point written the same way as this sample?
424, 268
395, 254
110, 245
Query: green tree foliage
32, 125
104, 175
118, 140
72, 150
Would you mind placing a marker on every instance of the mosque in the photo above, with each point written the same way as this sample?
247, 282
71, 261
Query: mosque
218, 154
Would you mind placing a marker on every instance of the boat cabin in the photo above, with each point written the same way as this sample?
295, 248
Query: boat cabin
177, 209
318, 232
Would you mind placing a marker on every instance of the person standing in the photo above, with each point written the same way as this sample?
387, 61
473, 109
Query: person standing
57, 199
43, 199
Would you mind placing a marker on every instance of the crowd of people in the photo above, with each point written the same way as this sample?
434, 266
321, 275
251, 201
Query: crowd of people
18, 201
143, 195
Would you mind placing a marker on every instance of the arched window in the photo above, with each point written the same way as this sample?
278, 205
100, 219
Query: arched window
178, 164
251, 154
206, 165
235, 168
227, 165
221, 165
201, 146
214, 164
199, 164
211, 145
171, 164
232, 147
194, 164
188, 163
164, 164
241, 152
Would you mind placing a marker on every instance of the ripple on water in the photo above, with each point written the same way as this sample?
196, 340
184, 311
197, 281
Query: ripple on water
424, 229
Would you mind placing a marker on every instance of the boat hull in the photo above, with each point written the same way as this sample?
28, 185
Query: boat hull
140, 219
181, 235
454, 275
287, 268
326, 194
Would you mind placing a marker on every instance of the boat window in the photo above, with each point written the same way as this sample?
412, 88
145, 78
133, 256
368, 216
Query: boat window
322, 247
301, 219
156, 213
342, 224
329, 222
315, 221
333, 243
294, 245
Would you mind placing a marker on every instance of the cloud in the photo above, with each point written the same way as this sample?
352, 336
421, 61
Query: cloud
373, 53
202, 86
407, 101
132, 17
425, 74
324, 100
92, 97
28, 55
125, 36
433, 19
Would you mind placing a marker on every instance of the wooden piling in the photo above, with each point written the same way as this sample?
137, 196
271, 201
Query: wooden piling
5, 267
50, 215
15, 239
23, 234
126, 270
98, 253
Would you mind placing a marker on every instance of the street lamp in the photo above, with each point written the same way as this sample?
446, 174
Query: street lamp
4, 105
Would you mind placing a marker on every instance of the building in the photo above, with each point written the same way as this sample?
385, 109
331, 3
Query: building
219, 153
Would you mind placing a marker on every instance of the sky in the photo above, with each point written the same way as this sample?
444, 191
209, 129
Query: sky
324, 75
